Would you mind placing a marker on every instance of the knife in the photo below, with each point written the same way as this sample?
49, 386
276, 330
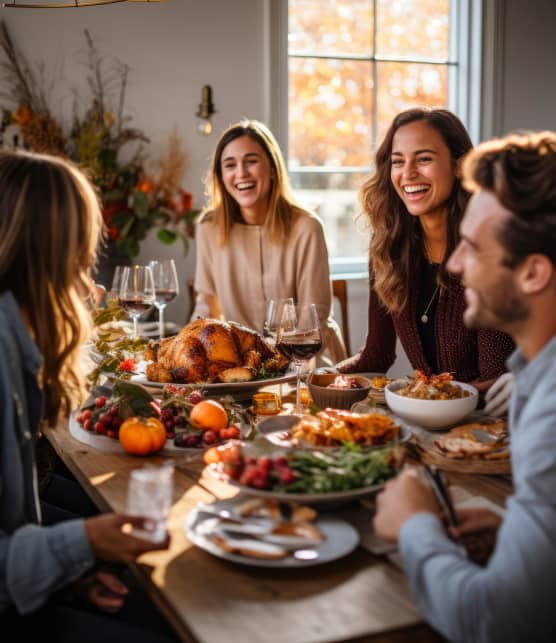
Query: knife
484, 437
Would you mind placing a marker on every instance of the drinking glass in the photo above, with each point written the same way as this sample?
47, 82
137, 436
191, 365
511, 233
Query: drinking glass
299, 338
166, 287
113, 295
273, 317
149, 495
136, 293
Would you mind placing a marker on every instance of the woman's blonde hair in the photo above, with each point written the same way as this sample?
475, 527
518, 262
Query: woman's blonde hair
282, 206
397, 244
50, 225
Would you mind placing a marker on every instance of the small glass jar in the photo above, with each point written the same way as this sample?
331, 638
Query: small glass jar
266, 404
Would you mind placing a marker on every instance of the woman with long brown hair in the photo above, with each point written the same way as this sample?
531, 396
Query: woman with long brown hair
415, 202
254, 242
50, 226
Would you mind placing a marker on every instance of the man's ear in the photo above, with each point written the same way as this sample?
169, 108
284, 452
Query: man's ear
536, 273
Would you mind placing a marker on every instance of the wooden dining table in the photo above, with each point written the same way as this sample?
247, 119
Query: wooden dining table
363, 596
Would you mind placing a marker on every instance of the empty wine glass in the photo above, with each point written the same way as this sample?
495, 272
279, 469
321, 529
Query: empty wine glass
273, 317
136, 292
113, 295
299, 338
166, 287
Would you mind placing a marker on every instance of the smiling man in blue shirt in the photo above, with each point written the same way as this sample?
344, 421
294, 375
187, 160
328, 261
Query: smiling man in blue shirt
507, 260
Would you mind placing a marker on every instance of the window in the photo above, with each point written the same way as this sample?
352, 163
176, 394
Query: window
351, 66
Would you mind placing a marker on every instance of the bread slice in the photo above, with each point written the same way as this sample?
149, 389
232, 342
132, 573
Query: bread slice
461, 443
249, 547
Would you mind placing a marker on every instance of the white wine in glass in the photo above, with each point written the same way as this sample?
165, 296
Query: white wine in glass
137, 293
166, 287
299, 339
113, 295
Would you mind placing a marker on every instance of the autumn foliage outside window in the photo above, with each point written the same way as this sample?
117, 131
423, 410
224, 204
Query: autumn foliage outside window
137, 194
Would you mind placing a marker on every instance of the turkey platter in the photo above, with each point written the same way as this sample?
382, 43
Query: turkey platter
210, 350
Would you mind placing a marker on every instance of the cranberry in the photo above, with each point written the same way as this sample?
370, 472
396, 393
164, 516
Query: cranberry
87, 413
195, 397
209, 436
100, 401
87, 425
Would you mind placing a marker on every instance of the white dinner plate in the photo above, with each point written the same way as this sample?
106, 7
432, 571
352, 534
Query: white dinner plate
340, 539
276, 430
219, 388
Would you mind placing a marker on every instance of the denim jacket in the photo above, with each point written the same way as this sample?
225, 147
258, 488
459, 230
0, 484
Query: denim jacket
35, 561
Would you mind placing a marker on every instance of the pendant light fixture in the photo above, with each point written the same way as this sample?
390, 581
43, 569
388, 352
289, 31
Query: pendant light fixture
68, 4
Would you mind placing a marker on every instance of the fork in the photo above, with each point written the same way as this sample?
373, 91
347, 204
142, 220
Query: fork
440, 488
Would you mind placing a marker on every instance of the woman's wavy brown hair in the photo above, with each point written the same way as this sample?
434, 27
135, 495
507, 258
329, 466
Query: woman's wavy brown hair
397, 244
282, 206
50, 224
521, 171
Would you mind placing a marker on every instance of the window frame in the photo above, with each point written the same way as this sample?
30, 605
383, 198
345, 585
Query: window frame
465, 60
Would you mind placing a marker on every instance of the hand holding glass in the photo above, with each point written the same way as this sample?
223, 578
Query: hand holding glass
149, 495
299, 339
136, 292
273, 317
166, 287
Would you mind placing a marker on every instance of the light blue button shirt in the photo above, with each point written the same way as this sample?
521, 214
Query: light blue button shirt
514, 597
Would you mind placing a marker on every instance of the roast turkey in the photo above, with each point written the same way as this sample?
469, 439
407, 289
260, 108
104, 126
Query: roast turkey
210, 350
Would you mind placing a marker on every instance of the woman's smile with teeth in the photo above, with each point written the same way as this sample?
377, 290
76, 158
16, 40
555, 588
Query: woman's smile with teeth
410, 189
245, 186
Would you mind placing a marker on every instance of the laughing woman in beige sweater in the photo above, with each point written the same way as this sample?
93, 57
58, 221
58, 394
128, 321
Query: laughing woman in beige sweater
254, 243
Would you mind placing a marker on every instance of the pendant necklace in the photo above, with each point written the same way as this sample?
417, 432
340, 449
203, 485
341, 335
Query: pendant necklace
424, 316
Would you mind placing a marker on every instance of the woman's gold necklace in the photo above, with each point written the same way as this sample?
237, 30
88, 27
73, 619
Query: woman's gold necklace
424, 316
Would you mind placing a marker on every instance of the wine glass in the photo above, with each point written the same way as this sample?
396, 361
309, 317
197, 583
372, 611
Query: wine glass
273, 317
113, 295
299, 338
137, 292
166, 287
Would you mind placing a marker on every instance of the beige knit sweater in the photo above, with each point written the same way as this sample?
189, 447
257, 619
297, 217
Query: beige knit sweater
234, 282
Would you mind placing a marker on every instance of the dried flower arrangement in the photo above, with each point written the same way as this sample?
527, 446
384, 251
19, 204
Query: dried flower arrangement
137, 195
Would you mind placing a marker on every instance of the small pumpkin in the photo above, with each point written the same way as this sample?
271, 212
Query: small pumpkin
141, 436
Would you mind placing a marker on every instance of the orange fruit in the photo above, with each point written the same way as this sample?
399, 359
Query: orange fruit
209, 414
141, 436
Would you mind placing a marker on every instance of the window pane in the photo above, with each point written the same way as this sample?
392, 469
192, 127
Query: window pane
334, 197
330, 112
404, 85
413, 28
330, 27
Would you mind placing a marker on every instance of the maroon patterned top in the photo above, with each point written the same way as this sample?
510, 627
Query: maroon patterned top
469, 355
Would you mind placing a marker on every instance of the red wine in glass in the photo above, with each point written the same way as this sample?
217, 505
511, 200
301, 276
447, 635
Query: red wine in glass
134, 305
299, 349
299, 339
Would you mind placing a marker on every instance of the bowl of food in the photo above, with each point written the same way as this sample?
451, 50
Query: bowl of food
331, 390
434, 402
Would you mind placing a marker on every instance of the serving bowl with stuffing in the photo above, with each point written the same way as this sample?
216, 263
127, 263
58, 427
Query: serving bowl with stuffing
331, 390
433, 402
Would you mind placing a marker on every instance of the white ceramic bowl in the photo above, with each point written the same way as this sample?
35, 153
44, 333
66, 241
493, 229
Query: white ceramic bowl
431, 414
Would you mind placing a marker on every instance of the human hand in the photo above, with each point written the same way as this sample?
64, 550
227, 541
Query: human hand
497, 398
477, 530
103, 590
402, 497
109, 541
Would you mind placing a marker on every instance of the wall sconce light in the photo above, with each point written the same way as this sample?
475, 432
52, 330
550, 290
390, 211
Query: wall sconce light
205, 111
